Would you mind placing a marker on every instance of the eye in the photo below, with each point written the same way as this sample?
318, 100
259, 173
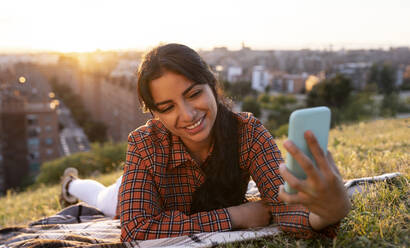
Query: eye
166, 109
195, 93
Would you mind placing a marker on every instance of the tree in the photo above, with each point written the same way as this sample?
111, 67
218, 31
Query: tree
250, 104
281, 107
264, 98
96, 131
373, 77
384, 77
387, 79
239, 90
333, 92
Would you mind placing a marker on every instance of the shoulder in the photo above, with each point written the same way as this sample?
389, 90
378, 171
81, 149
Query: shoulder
249, 124
149, 142
251, 128
247, 118
152, 132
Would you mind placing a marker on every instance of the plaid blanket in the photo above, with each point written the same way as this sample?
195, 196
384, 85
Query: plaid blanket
84, 226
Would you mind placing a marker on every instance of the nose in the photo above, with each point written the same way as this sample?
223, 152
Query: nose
187, 112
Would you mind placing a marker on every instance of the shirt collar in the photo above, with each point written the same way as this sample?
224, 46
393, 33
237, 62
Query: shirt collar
178, 152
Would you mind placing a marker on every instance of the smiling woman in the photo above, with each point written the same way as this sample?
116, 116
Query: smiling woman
187, 170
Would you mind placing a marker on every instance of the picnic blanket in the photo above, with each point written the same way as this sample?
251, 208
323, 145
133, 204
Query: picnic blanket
85, 226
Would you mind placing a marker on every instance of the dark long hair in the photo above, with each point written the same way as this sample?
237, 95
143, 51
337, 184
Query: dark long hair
225, 184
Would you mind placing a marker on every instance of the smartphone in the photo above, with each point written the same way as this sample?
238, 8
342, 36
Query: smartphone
316, 120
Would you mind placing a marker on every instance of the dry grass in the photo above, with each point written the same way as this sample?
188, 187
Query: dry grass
378, 219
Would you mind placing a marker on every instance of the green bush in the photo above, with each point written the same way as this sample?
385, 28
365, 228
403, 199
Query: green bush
250, 104
50, 172
281, 131
102, 158
406, 84
404, 106
361, 107
390, 105
333, 92
280, 106
109, 155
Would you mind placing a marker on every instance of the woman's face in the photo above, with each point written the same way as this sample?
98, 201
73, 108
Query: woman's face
186, 109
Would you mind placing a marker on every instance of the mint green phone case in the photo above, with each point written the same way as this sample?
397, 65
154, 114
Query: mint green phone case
318, 121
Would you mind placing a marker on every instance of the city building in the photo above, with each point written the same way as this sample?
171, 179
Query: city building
288, 83
122, 111
29, 132
110, 97
357, 72
234, 74
261, 78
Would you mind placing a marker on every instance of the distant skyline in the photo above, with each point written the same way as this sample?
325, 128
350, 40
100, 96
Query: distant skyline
88, 25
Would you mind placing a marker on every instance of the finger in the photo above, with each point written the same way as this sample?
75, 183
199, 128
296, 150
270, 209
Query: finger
317, 152
299, 198
304, 161
293, 181
332, 163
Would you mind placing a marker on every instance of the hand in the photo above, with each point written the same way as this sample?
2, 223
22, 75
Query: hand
250, 215
322, 192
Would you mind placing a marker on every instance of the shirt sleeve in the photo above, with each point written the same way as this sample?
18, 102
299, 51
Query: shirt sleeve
264, 159
141, 212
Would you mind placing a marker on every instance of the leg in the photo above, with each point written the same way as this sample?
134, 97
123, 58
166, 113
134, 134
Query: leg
90, 191
86, 190
107, 199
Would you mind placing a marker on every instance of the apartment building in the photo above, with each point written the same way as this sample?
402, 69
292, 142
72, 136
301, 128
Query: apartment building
29, 132
109, 97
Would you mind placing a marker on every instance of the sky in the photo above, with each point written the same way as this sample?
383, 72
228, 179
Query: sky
88, 25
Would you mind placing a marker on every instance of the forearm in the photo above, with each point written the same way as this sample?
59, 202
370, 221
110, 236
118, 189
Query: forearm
173, 224
296, 219
249, 215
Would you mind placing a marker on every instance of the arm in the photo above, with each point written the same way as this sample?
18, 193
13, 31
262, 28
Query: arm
141, 211
322, 192
264, 162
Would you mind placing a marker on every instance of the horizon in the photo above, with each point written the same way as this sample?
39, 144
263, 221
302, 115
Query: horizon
88, 26
44, 51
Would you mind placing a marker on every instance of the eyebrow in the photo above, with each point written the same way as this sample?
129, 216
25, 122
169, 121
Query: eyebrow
183, 93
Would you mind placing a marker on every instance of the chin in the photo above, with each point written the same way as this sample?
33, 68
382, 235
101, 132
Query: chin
200, 137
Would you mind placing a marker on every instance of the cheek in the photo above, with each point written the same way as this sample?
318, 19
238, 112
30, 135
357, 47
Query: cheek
210, 100
167, 121
213, 105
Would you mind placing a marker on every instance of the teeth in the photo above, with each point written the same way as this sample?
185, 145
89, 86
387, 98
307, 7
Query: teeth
195, 125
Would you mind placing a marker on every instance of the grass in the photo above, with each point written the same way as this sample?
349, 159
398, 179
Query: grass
39, 201
378, 219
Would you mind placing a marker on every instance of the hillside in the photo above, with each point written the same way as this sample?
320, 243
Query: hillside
363, 149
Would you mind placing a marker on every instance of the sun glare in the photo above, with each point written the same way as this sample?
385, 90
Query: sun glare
22, 80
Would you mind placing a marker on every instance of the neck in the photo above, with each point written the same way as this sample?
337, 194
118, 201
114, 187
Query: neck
200, 151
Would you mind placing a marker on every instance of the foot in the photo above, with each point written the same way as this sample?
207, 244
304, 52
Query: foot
69, 175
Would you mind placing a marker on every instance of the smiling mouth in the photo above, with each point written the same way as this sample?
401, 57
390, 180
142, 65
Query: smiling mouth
195, 124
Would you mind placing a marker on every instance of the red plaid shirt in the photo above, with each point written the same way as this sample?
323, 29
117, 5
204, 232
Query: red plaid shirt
160, 177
